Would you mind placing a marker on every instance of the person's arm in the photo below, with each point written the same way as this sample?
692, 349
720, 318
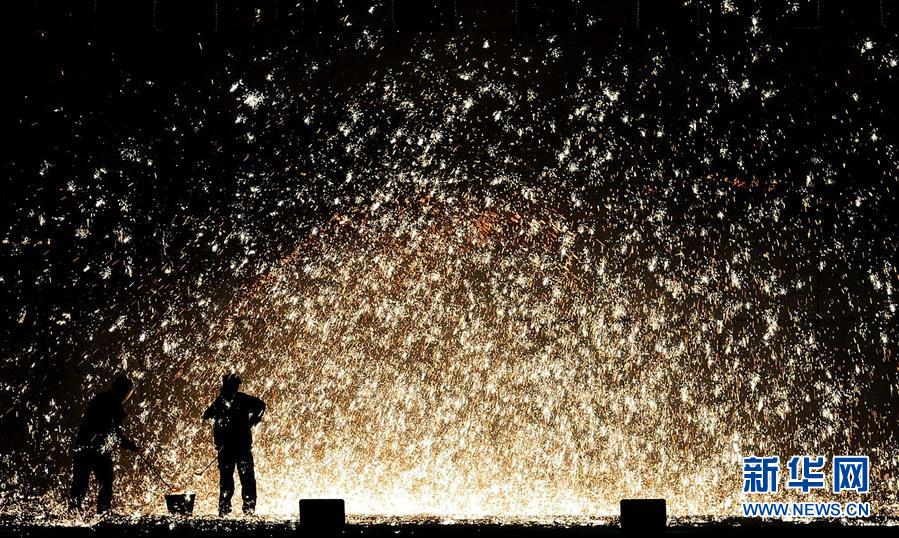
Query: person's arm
124, 441
257, 409
212, 410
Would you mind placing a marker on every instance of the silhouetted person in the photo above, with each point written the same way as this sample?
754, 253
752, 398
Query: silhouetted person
99, 435
234, 414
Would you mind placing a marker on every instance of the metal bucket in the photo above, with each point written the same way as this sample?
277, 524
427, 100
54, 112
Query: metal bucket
181, 504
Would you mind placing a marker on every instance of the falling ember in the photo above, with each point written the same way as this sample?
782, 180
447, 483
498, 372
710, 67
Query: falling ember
465, 297
444, 357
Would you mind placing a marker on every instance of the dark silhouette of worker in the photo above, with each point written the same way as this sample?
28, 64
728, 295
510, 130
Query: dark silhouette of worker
99, 436
234, 414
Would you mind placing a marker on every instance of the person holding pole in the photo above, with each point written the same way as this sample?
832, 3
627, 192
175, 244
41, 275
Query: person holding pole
98, 438
234, 414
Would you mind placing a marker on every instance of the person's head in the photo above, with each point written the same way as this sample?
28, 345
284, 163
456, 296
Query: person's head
122, 387
230, 384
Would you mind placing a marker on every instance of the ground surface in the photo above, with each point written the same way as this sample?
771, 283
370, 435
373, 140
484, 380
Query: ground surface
165, 527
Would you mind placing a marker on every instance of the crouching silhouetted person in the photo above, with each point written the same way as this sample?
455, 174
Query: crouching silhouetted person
99, 435
234, 414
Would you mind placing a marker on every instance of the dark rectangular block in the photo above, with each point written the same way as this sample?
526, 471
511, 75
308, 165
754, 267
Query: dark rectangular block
322, 516
643, 516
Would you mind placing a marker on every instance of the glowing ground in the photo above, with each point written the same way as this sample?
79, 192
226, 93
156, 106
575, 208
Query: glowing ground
164, 527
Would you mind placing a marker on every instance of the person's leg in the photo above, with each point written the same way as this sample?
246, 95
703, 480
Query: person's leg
247, 482
103, 470
81, 474
226, 481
